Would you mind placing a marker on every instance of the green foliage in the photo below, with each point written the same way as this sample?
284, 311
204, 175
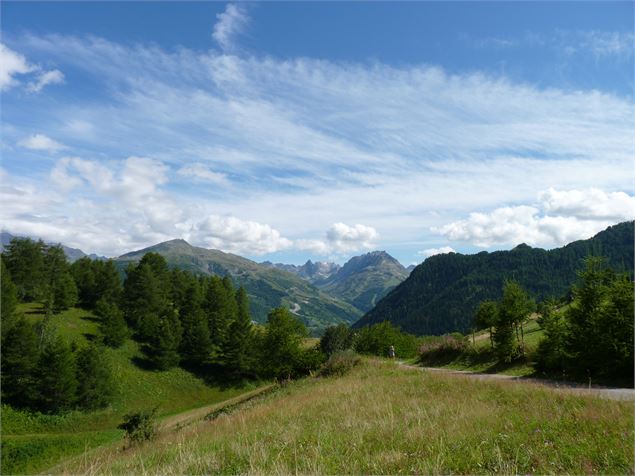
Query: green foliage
340, 363
163, 345
112, 324
140, 426
281, 344
336, 339
8, 299
95, 280
19, 360
238, 355
94, 378
56, 378
442, 294
24, 259
267, 287
377, 339
593, 337
513, 310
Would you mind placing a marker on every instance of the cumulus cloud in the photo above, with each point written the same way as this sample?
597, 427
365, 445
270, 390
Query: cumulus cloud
54, 76
11, 65
231, 23
41, 142
235, 235
342, 239
558, 218
436, 251
201, 172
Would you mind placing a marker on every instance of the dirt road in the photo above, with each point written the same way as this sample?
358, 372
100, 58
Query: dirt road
568, 387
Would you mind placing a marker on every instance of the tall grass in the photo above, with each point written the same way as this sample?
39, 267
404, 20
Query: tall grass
382, 419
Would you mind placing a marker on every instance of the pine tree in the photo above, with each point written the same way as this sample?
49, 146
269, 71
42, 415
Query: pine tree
19, 359
195, 345
84, 276
56, 377
217, 307
238, 356
8, 299
95, 385
145, 299
163, 346
112, 323
25, 262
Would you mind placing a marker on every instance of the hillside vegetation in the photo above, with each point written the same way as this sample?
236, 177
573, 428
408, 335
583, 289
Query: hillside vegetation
383, 419
267, 286
31, 442
441, 294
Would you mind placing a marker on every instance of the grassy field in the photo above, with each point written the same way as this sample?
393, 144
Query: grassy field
383, 419
34, 442
480, 358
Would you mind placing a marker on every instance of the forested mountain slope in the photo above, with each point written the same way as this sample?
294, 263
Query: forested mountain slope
441, 294
267, 287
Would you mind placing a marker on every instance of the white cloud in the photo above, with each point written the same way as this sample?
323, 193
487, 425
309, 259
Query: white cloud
590, 204
54, 76
11, 65
559, 218
231, 23
201, 172
342, 239
235, 235
308, 143
436, 251
41, 142
608, 43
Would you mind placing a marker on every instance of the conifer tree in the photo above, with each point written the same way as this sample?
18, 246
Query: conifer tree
195, 345
25, 262
19, 359
8, 299
217, 307
112, 323
238, 355
163, 346
94, 378
56, 377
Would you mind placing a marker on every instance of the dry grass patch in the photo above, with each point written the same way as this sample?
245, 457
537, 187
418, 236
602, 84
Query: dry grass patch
381, 419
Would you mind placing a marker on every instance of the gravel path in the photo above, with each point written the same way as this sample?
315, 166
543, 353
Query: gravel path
568, 387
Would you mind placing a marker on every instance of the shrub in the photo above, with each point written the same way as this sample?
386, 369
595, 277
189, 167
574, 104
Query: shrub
377, 339
140, 426
340, 363
444, 347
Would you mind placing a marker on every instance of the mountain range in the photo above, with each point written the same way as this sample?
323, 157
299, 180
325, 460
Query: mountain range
361, 281
442, 293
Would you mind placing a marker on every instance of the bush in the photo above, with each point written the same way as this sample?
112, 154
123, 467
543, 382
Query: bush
336, 338
377, 339
140, 426
444, 346
340, 363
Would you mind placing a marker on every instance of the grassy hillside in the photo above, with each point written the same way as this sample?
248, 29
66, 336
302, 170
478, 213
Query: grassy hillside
479, 356
442, 293
267, 287
382, 419
34, 442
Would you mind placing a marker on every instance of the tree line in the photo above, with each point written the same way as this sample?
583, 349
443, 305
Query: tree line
202, 323
589, 336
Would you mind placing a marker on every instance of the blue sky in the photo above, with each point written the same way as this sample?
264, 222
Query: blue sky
287, 131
